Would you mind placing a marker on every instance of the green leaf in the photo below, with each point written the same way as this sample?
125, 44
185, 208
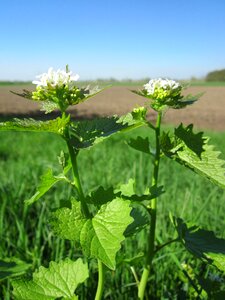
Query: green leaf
57, 125
141, 219
47, 182
193, 151
101, 196
140, 144
138, 114
26, 94
187, 100
60, 97
11, 267
128, 191
194, 141
85, 134
175, 102
67, 222
209, 165
202, 243
100, 237
156, 191
48, 106
60, 280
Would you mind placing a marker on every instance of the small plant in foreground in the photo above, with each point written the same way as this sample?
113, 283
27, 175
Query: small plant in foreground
100, 220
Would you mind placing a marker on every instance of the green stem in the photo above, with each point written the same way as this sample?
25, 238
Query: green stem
166, 244
73, 157
153, 206
101, 280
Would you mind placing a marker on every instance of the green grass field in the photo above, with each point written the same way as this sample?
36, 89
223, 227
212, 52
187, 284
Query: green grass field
206, 83
14, 83
25, 233
125, 82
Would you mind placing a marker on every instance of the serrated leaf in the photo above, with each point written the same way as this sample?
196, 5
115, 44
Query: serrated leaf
138, 114
175, 102
209, 165
11, 267
101, 196
100, 237
51, 99
141, 219
195, 154
202, 243
48, 106
85, 134
57, 125
194, 141
47, 182
60, 280
156, 191
128, 191
26, 94
67, 222
187, 100
140, 144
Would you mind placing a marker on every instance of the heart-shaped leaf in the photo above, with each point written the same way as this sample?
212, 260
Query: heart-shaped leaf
60, 280
100, 236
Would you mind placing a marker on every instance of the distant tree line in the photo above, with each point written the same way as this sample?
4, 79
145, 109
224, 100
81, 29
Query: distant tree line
218, 75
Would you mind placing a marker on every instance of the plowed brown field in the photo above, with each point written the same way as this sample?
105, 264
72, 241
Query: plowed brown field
207, 113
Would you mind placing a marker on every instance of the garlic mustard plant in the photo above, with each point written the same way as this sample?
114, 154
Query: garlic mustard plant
190, 150
102, 228
165, 93
101, 219
58, 90
162, 88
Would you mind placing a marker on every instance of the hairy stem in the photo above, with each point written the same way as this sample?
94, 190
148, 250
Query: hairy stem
153, 206
101, 280
73, 157
77, 183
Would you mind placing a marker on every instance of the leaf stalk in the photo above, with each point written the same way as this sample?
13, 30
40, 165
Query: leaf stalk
101, 280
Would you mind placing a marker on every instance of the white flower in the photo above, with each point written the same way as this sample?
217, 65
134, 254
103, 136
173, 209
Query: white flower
55, 78
165, 84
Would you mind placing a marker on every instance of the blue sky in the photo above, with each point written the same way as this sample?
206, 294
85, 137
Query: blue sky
120, 39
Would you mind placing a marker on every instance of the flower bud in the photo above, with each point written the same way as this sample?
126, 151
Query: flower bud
163, 93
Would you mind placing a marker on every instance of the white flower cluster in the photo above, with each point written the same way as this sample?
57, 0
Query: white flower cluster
165, 84
55, 78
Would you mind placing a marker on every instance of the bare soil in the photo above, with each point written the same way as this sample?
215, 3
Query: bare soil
207, 113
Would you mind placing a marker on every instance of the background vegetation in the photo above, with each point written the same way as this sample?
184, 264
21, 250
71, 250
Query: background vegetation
218, 75
210, 80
